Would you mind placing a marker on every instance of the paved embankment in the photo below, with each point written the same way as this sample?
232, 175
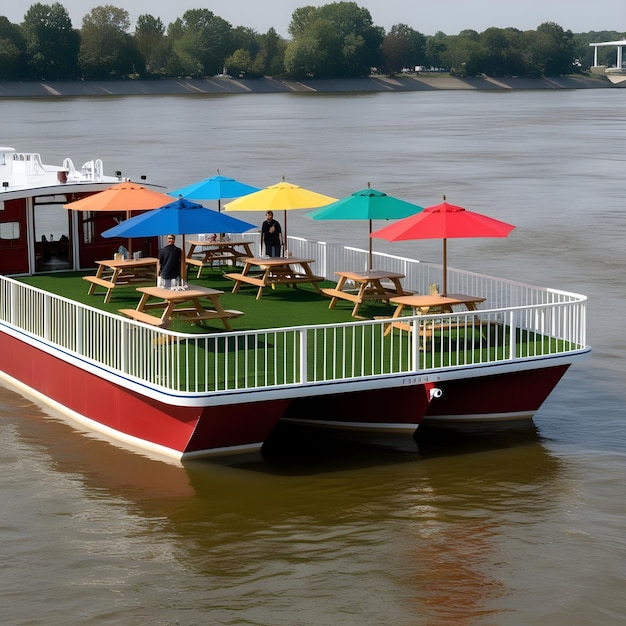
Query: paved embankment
220, 85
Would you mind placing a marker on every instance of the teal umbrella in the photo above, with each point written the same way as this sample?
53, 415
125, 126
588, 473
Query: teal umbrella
366, 204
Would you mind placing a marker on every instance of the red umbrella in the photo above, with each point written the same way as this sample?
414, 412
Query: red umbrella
444, 221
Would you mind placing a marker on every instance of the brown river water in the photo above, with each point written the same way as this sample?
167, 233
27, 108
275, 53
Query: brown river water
480, 530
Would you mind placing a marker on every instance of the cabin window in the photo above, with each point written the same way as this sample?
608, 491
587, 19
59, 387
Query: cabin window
9, 230
88, 227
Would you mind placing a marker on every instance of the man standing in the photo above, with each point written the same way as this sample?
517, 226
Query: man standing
170, 257
271, 235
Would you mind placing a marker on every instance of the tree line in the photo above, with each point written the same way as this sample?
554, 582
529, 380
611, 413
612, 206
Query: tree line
337, 40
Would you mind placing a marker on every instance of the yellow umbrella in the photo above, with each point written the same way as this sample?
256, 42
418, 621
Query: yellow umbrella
281, 197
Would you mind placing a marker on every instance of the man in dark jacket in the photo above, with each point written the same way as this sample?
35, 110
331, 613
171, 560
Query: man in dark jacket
170, 257
271, 235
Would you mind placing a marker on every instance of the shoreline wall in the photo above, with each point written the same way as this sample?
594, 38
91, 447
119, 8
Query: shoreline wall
226, 85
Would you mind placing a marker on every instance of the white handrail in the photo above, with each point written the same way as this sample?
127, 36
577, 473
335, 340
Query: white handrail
550, 322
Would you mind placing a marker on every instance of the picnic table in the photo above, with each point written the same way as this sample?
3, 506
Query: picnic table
275, 271
424, 304
204, 253
113, 273
184, 305
360, 286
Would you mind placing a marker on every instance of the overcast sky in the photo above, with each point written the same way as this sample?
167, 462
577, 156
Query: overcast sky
426, 16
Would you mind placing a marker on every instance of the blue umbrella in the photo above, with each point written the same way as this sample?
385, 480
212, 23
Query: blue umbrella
181, 217
215, 188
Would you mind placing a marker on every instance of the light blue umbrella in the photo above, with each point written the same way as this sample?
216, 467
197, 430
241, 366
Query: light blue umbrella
215, 188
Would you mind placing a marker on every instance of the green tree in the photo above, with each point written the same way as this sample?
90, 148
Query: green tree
239, 63
403, 47
270, 60
464, 56
302, 57
52, 44
152, 43
552, 49
434, 49
201, 42
12, 50
340, 35
107, 50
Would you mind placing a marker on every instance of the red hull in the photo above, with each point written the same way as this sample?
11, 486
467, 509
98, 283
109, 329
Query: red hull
500, 397
182, 429
186, 431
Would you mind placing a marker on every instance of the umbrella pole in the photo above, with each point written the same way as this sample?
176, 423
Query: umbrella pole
183, 263
445, 267
370, 268
285, 235
130, 241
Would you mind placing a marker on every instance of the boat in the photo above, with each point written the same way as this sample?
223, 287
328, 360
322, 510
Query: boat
182, 395
616, 74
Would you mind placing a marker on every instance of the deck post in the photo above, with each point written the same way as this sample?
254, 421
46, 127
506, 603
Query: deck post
303, 356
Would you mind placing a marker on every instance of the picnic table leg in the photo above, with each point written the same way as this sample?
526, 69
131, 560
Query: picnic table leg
340, 284
92, 286
398, 285
360, 296
264, 280
309, 272
217, 305
244, 272
114, 278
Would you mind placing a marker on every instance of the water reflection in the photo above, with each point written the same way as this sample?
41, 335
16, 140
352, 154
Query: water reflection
406, 531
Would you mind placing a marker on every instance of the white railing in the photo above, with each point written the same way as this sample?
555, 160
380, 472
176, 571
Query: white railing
29, 163
521, 323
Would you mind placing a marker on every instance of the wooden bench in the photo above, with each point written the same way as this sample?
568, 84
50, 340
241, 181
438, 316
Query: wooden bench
191, 315
146, 318
103, 283
201, 263
293, 280
109, 285
440, 326
211, 313
355, 297
99, 281
246, 278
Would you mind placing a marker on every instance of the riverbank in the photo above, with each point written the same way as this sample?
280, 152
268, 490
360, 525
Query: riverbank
223, 85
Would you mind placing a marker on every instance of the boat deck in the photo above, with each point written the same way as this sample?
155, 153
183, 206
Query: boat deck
292, 336
281, 306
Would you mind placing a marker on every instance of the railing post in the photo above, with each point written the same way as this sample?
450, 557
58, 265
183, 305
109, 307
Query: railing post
80, 324
46, 317
415, 345
512, 334
124, 346
303, 356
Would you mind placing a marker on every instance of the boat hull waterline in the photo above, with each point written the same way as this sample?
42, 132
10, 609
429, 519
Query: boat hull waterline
493, 365
186, 426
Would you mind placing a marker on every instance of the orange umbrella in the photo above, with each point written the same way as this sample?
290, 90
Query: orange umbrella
126, 196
